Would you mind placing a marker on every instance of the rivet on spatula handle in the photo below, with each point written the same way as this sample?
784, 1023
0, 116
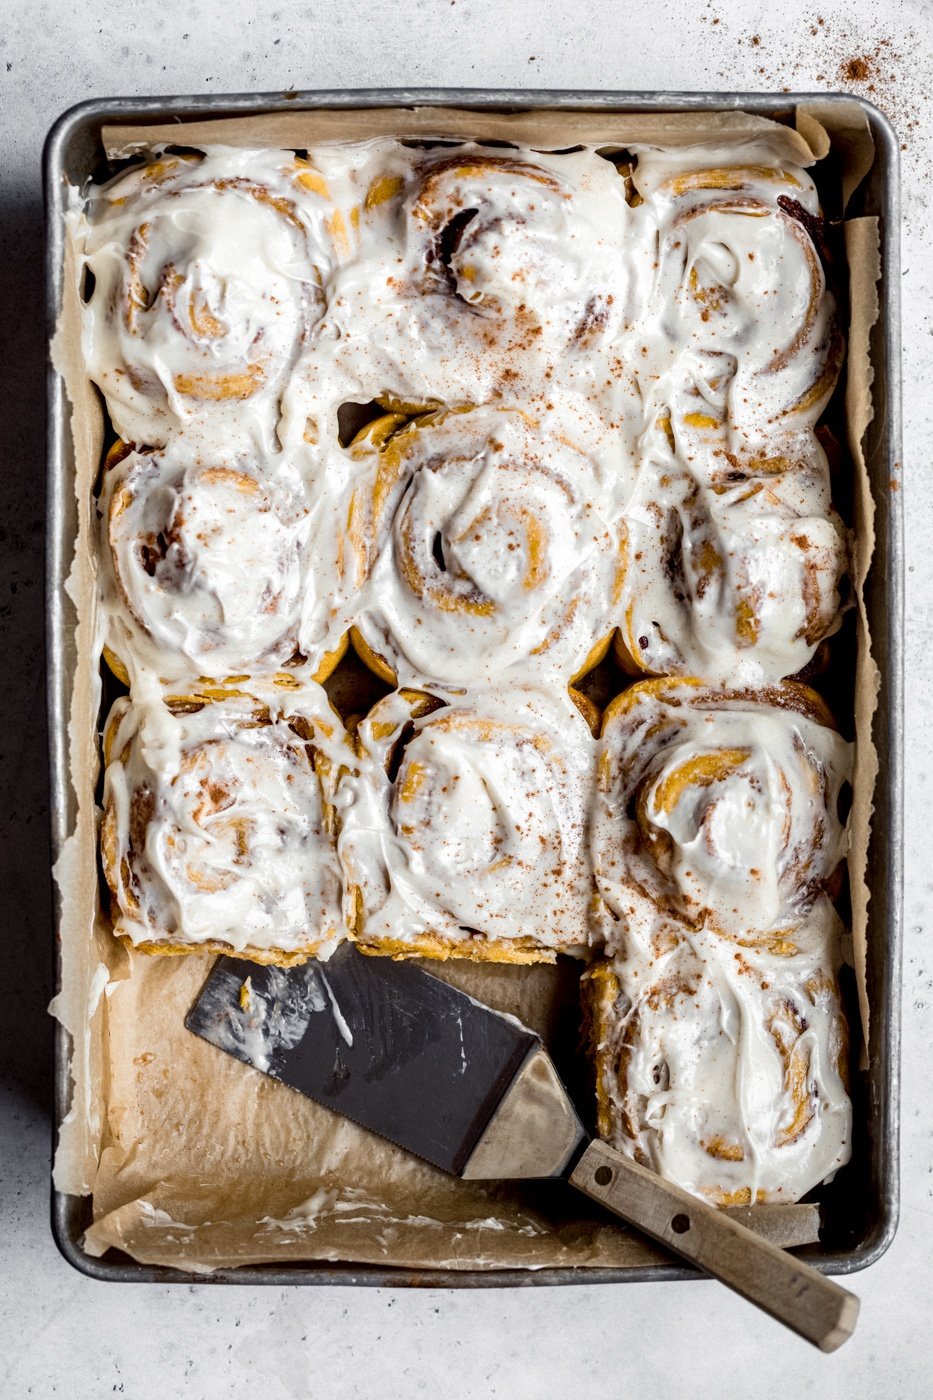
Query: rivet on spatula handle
790, 1290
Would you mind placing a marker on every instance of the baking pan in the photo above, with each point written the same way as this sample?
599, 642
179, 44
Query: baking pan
860, 1208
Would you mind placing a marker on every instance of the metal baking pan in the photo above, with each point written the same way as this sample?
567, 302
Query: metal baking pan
860, 1208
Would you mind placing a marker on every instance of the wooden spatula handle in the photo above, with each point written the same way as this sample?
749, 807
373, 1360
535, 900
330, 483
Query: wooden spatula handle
788, 1289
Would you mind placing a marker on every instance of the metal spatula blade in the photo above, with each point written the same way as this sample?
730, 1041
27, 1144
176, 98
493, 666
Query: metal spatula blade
474, 1092
402, 1053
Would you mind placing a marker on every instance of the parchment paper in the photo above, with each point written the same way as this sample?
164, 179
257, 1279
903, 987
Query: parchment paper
89, 955
544, 129
193, 1159
863, 256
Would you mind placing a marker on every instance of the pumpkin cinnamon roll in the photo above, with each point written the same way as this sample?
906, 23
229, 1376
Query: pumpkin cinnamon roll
204, 277
219, 830
463, 828
738, 326
489, 549
716, 810
726, 1073
736, 578
487, 273
206, 568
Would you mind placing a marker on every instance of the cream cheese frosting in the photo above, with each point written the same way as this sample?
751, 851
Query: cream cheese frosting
481, 274
490, 555
203, 278
734, 575
736, 326
717, 809
726, 1072
670, 318
467, 823
218, 829
214, 566
207, 565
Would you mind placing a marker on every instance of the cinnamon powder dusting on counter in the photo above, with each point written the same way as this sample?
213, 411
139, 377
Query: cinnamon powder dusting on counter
836, 55
857, 70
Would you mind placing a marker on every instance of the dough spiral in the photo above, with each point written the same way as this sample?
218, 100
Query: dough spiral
737, 320
717, 809
488, 551
218, 831
727, 1074
737, 572
207, 279
464, 828
483, 275
217, 567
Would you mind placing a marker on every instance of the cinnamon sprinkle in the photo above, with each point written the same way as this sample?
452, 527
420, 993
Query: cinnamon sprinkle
857, 55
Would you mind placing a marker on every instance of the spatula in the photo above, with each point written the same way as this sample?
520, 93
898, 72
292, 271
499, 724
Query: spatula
474, 1092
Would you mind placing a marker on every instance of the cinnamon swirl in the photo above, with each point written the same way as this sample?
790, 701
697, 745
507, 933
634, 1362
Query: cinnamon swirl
726, 1072
207, 567
489, 554
488, 274
219, 831
203, 280
463, 828
736, 573
737, 329
716, 809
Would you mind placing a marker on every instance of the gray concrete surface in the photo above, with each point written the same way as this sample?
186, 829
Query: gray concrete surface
63, 1336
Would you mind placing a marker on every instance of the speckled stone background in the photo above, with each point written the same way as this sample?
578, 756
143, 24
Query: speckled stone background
62, 1335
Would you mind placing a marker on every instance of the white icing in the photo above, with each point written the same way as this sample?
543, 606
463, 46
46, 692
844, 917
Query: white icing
340, 1021
669, 338
716, 810
215, 567
735, 323
256, 1023
733, 576
207, 564
443, 305
236, 846
725, 1073
492, 557
482, 831
208, 279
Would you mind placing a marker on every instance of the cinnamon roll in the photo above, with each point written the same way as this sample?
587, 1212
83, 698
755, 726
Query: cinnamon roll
219, 830
736, 578
463, 828
598, 390
203, 279
716, 810
726, 1073
738, 330
489, 551
207, 568
489, 274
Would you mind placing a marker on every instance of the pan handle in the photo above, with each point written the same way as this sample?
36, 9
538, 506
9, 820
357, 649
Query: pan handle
812, 1306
